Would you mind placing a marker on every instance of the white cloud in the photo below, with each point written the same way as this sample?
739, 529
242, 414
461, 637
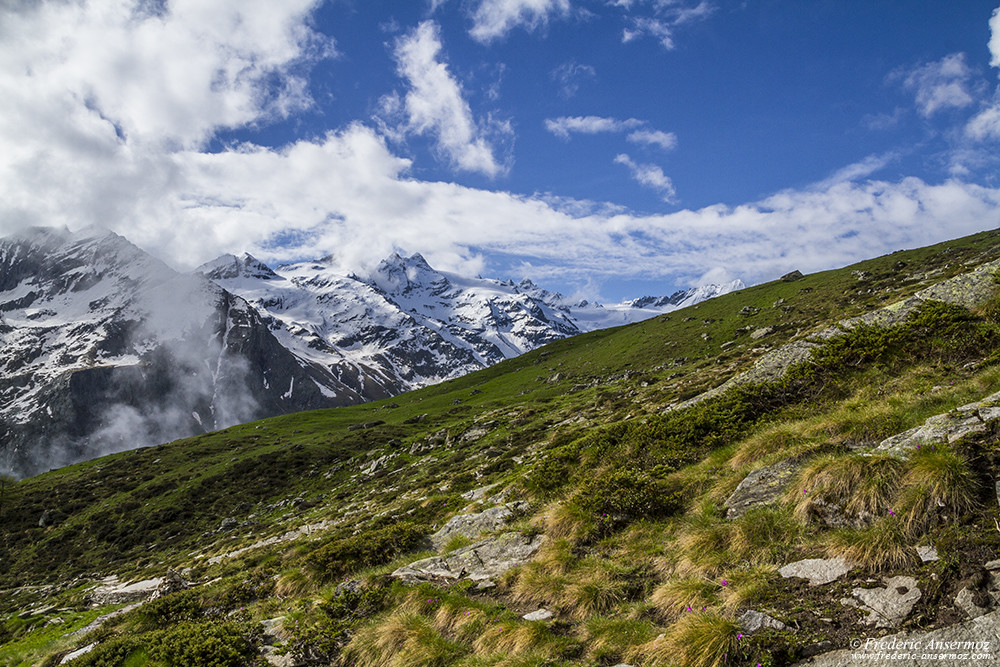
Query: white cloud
569, 76
940, 85
434, 104
565, 125
493, 19
858, 170
650, 176
170, 77
986, 124
665, 140
667, 16
994, 43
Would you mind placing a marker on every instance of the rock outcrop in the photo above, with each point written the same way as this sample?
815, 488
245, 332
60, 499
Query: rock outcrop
481, 561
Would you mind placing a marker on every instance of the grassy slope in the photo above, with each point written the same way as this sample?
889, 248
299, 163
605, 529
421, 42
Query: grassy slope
138, 512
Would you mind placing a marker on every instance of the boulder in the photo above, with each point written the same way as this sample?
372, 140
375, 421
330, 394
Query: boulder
483, 560
818, 571
889, 606
757, 334
761, 487
474, 525
539, 615
792, 276
73, 655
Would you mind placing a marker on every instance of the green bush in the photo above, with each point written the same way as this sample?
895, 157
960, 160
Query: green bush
203, 644
622, 496
321, 638
112, 653
366, 549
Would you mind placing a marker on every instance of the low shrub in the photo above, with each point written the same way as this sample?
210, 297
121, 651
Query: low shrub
366, 549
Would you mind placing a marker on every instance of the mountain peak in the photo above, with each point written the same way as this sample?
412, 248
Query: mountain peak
229, 266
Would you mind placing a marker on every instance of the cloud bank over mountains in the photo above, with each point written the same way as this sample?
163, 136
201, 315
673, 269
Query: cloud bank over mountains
114, 107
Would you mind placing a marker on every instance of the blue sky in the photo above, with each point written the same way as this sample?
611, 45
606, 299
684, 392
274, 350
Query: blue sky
606, 148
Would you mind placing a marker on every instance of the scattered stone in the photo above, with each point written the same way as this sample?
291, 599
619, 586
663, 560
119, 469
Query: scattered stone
889, 606
751, 621
747, 311
487, 559
927, 554
993, 565
818, 571
761, 487
271, 657
478, 493
485, 585
780, 302
792, 276
45, 519
757, 334
727, 345
228, 524
73, 655
416, 419
474, 525
272, 626
375, 465
971, 603
705, 336
558, 377
540, 615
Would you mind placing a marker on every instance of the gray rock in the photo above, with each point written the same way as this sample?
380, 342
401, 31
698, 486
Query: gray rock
966, 600
474, 525
483, 560
753, 621
747, 311
479, 493
228, 524
792, 276
818, 571
889, 606
977, 639
993, 565
539, 615
73, 655
970, 419
927, 554
271, 627
761, 487
271, 657
113, 592
757, 334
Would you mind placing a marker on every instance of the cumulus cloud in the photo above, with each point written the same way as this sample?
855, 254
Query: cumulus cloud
858, 170
940, 85
434, 104
994, 43
649, 175
493, 19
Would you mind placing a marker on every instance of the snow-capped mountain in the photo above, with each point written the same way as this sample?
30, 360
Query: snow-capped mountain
103, 347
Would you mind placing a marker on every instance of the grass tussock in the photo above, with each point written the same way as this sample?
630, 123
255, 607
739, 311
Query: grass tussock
747, 586
884, 545
699, 639
864, 486
764, 535
676, 597
609, 639
402, 639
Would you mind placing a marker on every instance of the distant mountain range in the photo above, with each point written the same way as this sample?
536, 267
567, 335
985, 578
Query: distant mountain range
105, 348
